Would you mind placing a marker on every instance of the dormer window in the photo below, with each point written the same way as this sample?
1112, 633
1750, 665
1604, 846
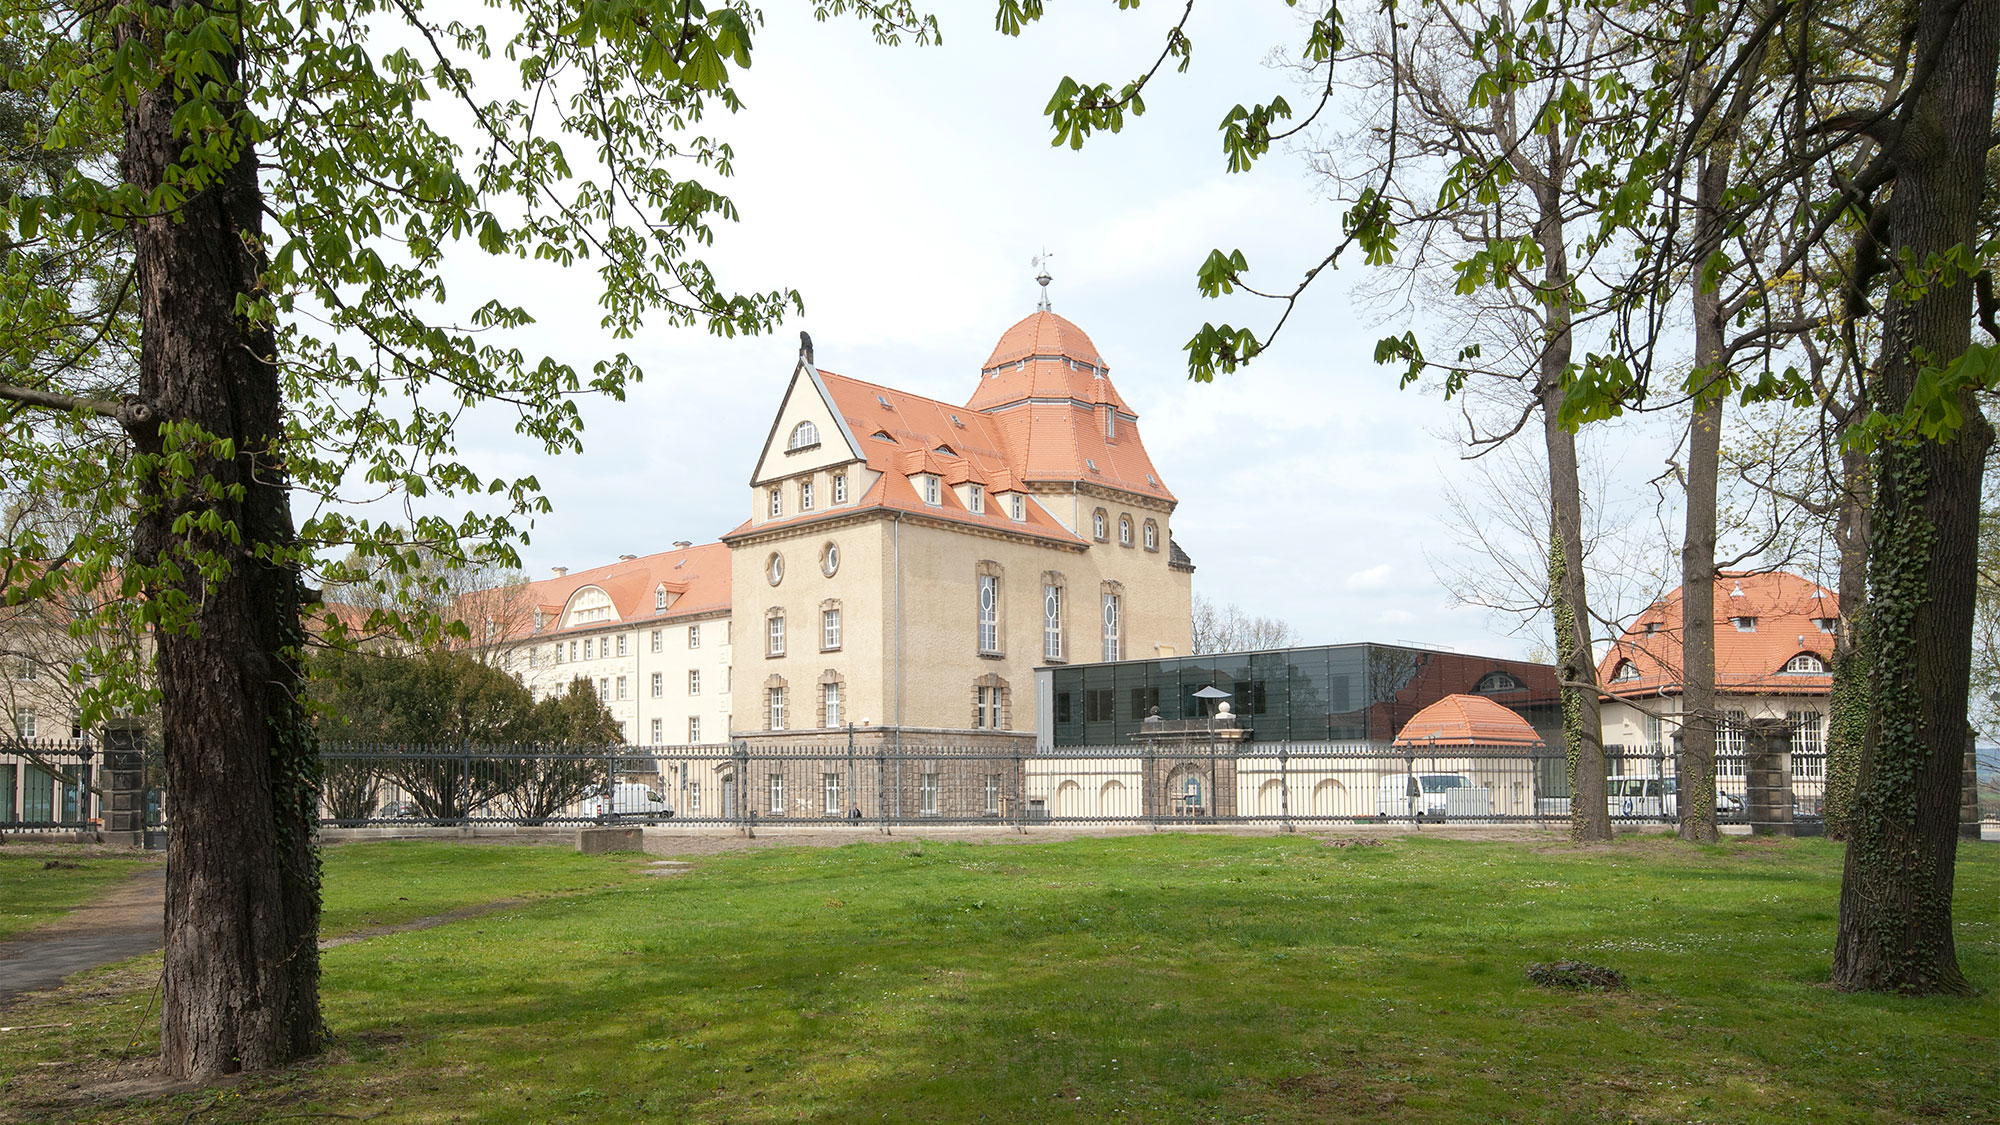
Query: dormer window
945, 450
1625, 671
660, 598
805, 435
1650, 627
1826, 624
1744, 624
883, 435
1110, 422
976, 499
1805, 664
1019, 504
928, 488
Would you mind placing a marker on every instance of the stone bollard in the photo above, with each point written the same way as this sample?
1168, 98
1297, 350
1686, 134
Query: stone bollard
598, 841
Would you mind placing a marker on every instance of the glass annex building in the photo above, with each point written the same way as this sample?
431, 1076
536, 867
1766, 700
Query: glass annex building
1330, 693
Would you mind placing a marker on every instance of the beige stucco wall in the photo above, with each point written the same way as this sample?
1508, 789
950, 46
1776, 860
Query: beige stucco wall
639, 708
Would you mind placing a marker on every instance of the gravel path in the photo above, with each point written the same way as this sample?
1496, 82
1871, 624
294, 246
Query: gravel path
125, 923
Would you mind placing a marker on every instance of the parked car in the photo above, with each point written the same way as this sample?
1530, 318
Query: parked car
1657, 797
398, 810
1431, 796
627, 800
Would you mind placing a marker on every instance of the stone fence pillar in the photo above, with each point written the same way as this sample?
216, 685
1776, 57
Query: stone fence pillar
1768, 776
124, 780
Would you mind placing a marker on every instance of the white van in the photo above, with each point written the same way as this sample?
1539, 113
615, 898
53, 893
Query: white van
1431, 796
1656, 798
627, 799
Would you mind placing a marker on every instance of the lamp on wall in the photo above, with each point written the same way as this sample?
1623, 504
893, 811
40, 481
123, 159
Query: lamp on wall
1213, 695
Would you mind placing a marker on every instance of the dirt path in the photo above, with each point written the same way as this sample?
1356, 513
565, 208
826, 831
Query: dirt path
125, 923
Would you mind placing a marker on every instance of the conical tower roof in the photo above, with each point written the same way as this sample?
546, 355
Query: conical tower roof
1045, 357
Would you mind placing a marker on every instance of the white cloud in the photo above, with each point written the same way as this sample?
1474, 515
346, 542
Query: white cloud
1374, 578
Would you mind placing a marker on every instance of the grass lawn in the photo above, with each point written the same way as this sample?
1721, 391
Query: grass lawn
33, 892
1146, 978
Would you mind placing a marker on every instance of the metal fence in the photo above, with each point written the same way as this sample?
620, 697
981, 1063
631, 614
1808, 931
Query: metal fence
762, 783
48, 784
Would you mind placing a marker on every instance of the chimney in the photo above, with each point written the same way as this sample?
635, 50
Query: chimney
682, 544
560, 570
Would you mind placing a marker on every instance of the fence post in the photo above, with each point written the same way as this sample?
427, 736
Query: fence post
1284, 787
882, 789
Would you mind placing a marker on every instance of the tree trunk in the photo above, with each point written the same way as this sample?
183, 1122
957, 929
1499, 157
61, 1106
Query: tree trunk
240, 984
1847, 702
1895, 899
1576, 662
1696, 764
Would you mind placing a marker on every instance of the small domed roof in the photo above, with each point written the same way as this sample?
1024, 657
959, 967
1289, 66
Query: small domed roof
1043, 333
1467, 720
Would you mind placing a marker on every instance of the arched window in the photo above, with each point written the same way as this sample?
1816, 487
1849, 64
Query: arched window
1124, 531
804, 436
1806, 664
1626, 670
1152, 536
1100, 521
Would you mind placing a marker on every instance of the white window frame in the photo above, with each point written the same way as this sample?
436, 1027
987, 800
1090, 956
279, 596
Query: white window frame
659, 731
622, 686
932, 490
840, 488
603, 688
694, 681
978, 495
777, 791
830, 791
659, 685
774, 629
1019, 504
24, 721
1098, 527
1806, 664
830, 630
589, 644
1124, 531
694, 729
1113, 611
927, 795
1152, 536
694, 636
659, 640
660, 598
829, 697
777, 507
804, 434
989, 615
806, 495
1052, 639
992, 806
622, 644
774, 707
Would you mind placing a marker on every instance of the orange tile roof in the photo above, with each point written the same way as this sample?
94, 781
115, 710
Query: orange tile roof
1784, 607
696, 577
1467, 720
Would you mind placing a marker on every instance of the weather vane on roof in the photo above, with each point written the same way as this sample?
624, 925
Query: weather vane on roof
1041, 263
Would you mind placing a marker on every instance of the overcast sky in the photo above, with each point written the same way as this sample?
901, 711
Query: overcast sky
903, 192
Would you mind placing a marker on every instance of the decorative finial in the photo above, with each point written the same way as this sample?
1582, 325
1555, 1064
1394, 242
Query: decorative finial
1041, 263
805, 349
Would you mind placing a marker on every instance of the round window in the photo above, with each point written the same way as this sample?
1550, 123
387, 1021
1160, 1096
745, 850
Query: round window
829, 559
775, 568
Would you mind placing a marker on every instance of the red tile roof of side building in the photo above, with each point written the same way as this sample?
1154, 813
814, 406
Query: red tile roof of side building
1786, 610
697, 581
1467, 720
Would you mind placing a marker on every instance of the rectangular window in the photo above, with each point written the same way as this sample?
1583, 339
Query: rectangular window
694, 728
777, 502
1744, 624
829, 695
1052, 648
1020, 505
694, 636
621, 644
1808, 743
694, 681
840, 488
777, 793
931, 494
777, 635
604, 687
659, 731
978, 493
621, 687
659, 640
927, 795
992, 805
1111, 626
1653, 731
1729, 746
986, 708
694, 797
28, 669
572, 650
534, 656
588, 648
830, 626
775, 703
659, 685
832, 784
989, 614
24, 722
805, 496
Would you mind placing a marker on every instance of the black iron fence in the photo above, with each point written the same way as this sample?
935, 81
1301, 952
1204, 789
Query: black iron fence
48, 784
765, 783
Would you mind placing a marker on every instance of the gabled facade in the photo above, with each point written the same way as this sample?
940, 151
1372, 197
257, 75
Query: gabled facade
908, 562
